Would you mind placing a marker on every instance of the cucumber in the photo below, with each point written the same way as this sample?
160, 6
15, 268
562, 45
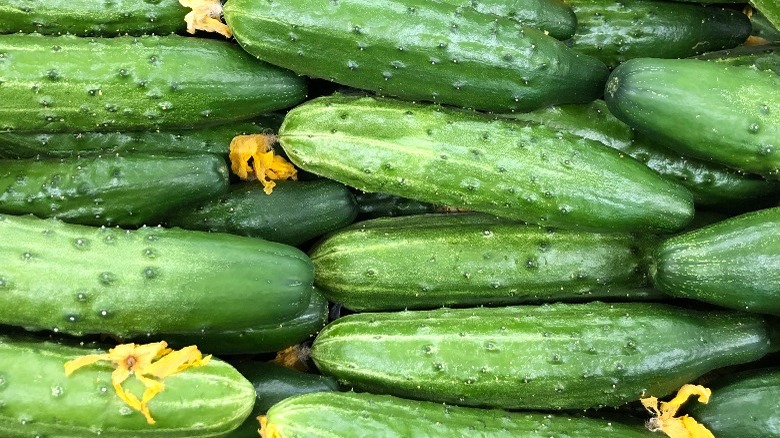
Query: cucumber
553, 17
128, 191
618, 31
39, 400
335, 414
296, 211
770, 9
558, 356
734, 263
463, 159
374, 205
73, 84
419, 50
726, 114
763, 29
764, 57
471, 259
81, 280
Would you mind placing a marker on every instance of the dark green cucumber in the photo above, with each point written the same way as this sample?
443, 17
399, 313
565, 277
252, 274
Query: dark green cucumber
726, 114
765, 57
296, 211
374, 205
558, 356
419, 50
39, 400
734, 263
337, 414
763, 28
80, 280
74, 84
618, 31
128, 191
469, 160
553, 17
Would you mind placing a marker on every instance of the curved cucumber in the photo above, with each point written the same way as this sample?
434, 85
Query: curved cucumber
553, 17
419, 50
80, 280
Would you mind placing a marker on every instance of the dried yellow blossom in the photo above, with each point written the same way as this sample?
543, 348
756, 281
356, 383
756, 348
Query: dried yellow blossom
265, 166
294, 357
677, 427
146, 362
267, 430
205, 15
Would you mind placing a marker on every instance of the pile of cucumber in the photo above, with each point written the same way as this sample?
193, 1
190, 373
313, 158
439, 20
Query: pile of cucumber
511, 217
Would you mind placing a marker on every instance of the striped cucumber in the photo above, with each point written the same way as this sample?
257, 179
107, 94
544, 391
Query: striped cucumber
521, 171
73, 84
419, 50
553, 17
81, 280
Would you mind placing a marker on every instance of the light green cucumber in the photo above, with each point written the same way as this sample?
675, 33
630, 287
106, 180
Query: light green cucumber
770, 9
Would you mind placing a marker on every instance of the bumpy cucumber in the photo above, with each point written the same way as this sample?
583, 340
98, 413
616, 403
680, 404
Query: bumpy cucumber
296, 211
79, 280
419, 50
559, 356
618, 31
334, 414
727, 114
764, 57
734, 263
39, 400
554, 17
74, 84
464, 159
127, 190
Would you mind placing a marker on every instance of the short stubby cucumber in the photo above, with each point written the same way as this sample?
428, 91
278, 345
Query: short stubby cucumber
39, 400
419, 50
734, 263
439, 260
553, 17
79, 280
463, 159
128, 190
74, 84
557, 356
350, 414
726, 114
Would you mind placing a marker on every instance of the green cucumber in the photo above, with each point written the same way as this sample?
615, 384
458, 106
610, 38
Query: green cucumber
770, 9
553, 17
128, 191
336, 414
39, 400
419, 50
296, 211
74, 84
374, 205
81, 280
471, 259
726, 114
763, 29
558, 356
734, 263
469, 160
618, 31
765, 57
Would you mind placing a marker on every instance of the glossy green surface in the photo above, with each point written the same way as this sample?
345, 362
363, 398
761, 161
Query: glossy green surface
522, 171
551, 16
763, 57
73, 84
373, 205
419, 50
80, 280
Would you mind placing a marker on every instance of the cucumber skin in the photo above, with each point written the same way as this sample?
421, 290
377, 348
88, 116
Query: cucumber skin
139, 83
559, 356
519, 171
128, 191
376, 205
554, 17
336, 414
765, 57
39, 400
736, 116
734, 263
421, 50
615, 32
81, 280
439, 260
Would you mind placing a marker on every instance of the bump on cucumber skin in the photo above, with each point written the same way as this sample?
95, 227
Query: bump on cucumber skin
559, 356
127, 191
734, 263
296, 211
551, 16
421, 50
350, 414
93, 18
84, 280
462, 159
764, 57
718, 113
39, 400
615, 32
141, 83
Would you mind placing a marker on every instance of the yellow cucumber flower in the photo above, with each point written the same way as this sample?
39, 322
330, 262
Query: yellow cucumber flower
677, 427
265, 165
205, 16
